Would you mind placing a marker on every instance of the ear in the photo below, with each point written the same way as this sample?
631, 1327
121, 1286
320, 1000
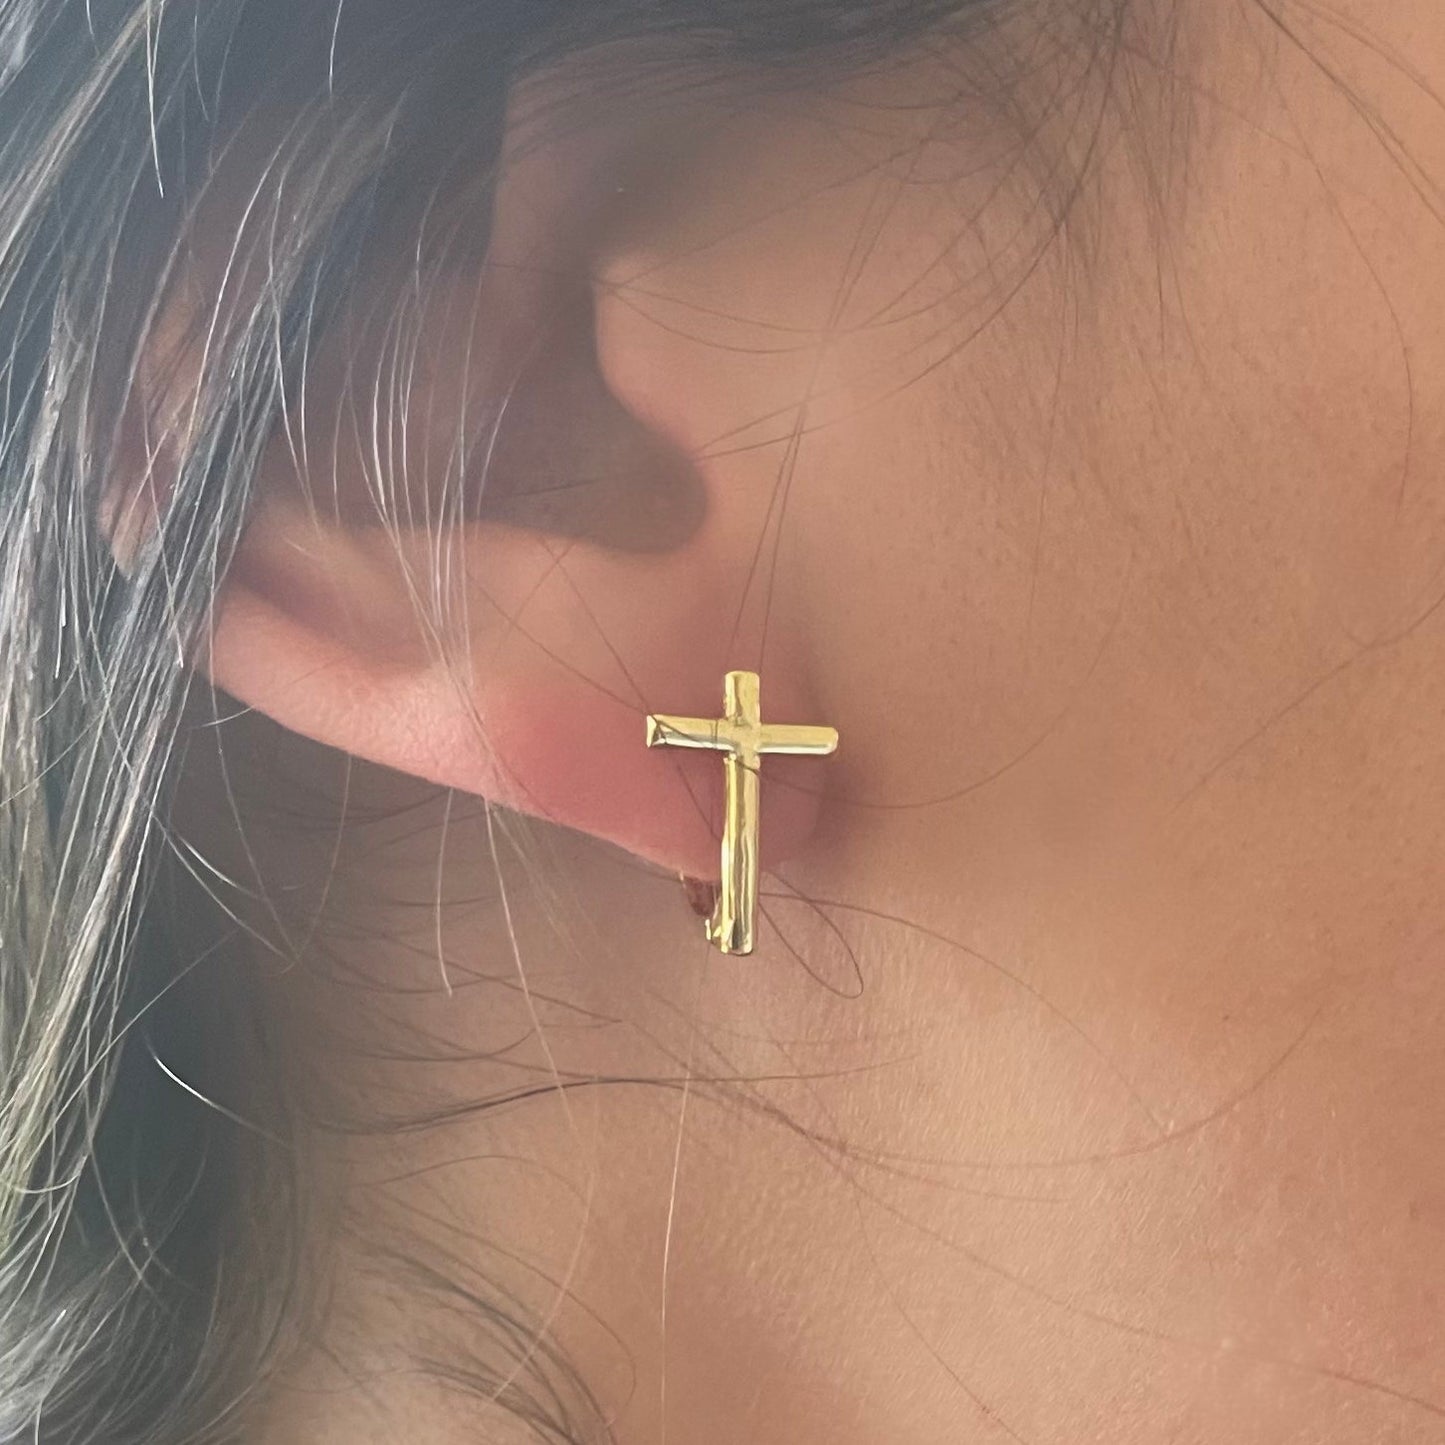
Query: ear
502, 634
488, 581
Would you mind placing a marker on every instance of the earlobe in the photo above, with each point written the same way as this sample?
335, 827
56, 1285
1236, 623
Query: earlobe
529, 686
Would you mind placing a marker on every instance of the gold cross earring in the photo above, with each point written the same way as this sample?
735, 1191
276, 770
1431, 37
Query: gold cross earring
742, 738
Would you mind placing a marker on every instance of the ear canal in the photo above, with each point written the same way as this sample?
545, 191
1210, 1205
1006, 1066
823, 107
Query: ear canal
630, 488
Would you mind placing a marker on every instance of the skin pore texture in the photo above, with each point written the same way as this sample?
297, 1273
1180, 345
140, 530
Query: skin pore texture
1086, 1085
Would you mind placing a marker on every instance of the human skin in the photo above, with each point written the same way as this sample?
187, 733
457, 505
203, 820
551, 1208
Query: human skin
1086, 1083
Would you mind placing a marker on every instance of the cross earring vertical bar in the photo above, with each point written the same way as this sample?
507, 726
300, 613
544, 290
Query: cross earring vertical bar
731, 926
743, 740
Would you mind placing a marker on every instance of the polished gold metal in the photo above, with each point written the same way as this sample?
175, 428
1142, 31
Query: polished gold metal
743, 739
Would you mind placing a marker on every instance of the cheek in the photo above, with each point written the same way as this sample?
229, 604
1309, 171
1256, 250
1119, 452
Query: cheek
963, 563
